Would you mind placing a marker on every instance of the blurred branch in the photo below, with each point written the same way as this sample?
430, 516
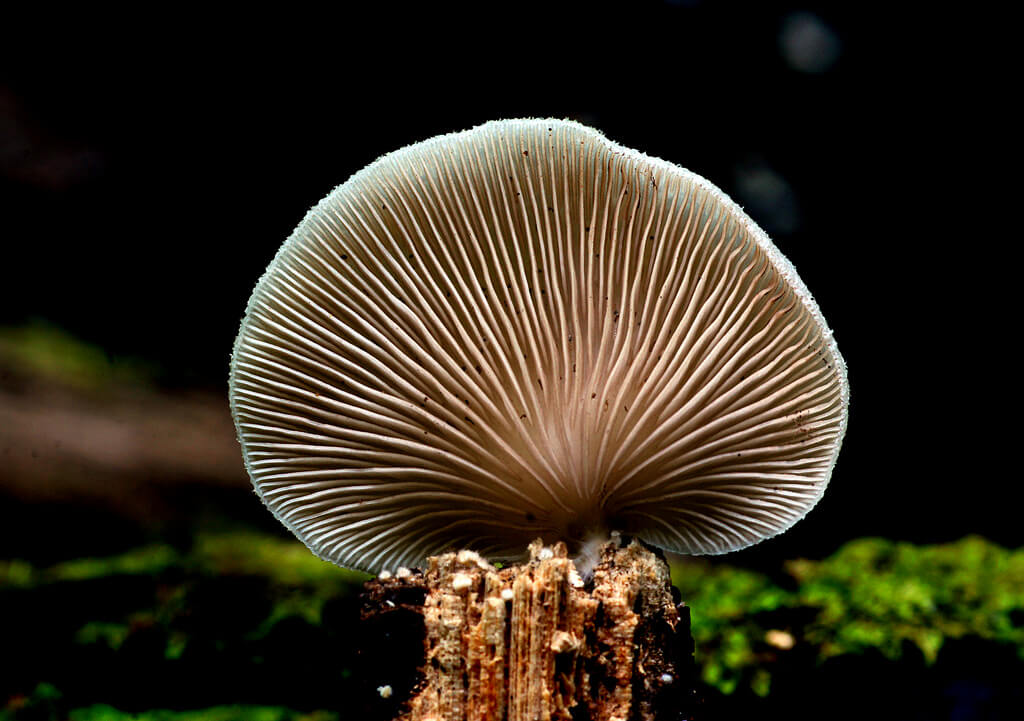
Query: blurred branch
75, 425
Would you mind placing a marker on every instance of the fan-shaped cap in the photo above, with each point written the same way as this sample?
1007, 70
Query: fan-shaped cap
525, 330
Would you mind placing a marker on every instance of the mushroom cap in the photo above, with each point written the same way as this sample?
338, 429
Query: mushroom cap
525, 330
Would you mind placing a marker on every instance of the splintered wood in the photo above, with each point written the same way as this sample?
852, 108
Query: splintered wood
539, 643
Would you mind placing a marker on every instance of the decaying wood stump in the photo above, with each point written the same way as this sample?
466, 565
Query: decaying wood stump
538, 642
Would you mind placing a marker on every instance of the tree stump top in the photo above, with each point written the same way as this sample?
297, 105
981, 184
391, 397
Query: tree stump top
542, 642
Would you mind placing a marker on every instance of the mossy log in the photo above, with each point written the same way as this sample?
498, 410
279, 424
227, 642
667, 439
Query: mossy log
538, 641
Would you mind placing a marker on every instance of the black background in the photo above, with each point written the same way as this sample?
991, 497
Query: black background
153, 162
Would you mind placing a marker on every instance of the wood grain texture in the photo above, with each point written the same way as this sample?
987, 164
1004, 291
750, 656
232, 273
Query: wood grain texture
537, 642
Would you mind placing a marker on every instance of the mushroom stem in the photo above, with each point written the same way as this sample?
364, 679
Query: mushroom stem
589, 553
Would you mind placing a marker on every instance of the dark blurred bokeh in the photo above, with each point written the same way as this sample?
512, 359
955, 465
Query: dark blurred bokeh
151, 168
151, 164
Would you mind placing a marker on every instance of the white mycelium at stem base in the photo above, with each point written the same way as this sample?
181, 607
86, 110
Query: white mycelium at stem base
525, 330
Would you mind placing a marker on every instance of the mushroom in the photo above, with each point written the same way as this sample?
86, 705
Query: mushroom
526, 330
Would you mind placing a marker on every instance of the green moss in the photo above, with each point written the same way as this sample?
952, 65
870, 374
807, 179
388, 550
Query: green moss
230, 591
879, 594
217, 713
147, 560
283, 561
724, 602
111, 635
873, 594
290, 582
16, 574
41, 349
301, 582
44, 704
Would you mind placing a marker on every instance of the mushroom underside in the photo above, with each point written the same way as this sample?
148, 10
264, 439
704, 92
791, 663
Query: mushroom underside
525, 330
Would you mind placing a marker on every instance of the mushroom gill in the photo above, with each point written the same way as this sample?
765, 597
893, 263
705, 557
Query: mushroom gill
525, 330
